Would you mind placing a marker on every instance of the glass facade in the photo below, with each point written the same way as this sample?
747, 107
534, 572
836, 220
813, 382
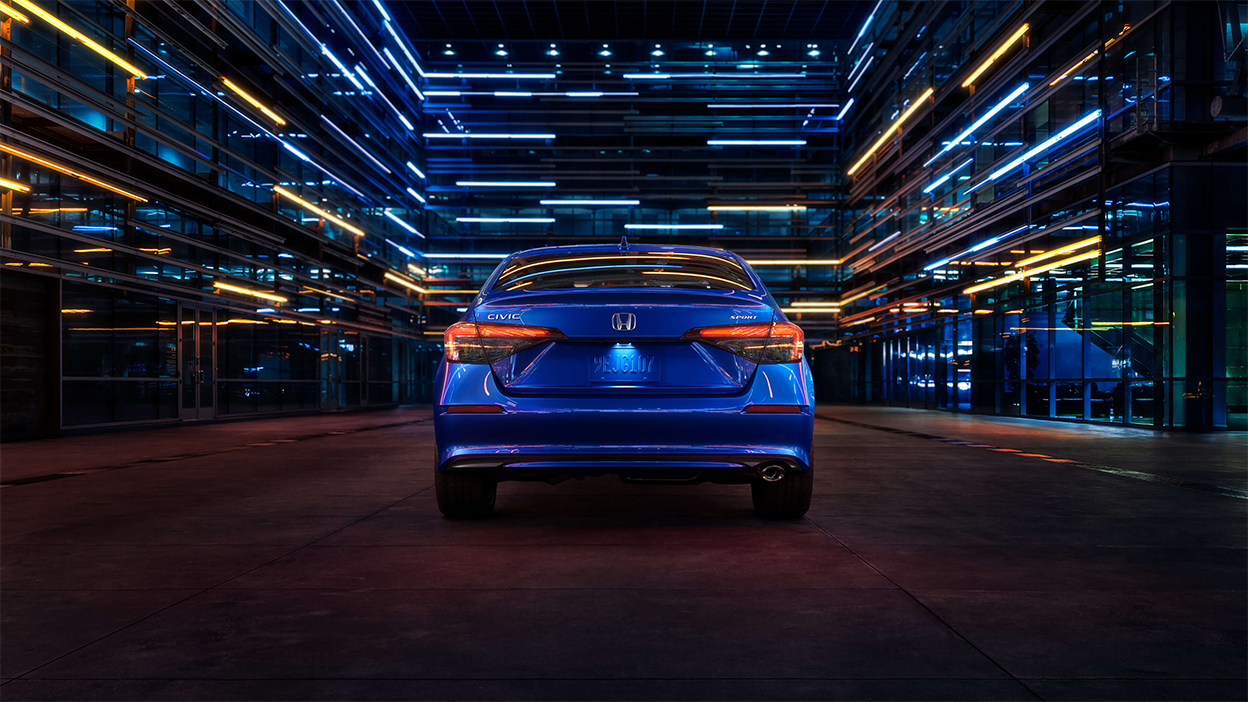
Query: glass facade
1056, 228
207, 212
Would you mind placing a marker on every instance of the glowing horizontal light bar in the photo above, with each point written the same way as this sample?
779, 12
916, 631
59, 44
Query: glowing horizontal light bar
342, 69
13, 185
1034, 271
890, 131
937, 183
404, 282
509, 220
512, 93
356, 144
408, 252
394, 218
981, 121
665, 76
759, 208
467, 256
86, 41
68, 171
673, 226
588, 203
504, 184
810, 310
790, 262
246, 291
755, 142
585, 94
844, 109
5, 9
452, 292
995, 55
1057, 252
1044, 145
884, 241
464, 135
816, 304
767, 106
307, 205
254, 102
528, 76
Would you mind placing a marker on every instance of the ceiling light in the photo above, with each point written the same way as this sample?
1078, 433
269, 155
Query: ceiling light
673, 226
588, 203
503, 184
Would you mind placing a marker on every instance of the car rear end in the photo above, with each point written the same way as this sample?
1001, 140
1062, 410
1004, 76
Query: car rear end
654, 363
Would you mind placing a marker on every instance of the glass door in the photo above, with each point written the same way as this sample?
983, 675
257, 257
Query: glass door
197, 347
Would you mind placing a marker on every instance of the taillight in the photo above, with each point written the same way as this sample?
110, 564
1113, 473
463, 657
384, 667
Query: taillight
779, 342
469, 342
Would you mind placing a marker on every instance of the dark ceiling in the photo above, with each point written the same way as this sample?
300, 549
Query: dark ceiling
599, 20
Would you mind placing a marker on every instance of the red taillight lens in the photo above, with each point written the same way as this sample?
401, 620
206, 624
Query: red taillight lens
469, 342
779, 342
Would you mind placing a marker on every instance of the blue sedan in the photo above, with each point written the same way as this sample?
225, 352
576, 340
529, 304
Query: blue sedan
655, 363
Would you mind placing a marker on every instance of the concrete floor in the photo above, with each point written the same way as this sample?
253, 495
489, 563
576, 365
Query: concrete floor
950, 558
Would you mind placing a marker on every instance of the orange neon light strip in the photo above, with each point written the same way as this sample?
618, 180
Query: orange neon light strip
996, 55
254, 102
69, 171
14, 14
891, 130
13, 185
1034, 271
86, 41
336, 220
405, 282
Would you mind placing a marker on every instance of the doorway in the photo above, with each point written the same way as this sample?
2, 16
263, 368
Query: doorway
197, 349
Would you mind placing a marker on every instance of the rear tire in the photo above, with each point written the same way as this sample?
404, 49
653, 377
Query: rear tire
786, 498
465, 495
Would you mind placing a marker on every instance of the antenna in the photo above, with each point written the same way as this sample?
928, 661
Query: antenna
624, 243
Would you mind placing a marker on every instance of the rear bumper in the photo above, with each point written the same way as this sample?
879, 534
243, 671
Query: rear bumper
626, 434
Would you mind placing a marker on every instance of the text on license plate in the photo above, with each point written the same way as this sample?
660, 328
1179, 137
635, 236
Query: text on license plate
628, 365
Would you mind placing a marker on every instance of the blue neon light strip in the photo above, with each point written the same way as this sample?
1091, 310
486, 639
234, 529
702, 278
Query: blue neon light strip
937, 183
529, 76
864, 26
978, 247
503, 184
1044, 146
465, 135
416, 170
981, 121
588, 203
466, 255
666, 76
844, 109
404, 249
755, 142
390, 215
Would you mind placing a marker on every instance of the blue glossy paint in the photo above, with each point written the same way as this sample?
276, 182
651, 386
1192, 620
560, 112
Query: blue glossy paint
559, 413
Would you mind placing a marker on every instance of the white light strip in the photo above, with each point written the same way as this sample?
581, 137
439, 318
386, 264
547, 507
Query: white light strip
438, 135
502, 184
390, 215
884, 241
665, 76
403, 47
980, 122
408, 79
767, 106
864, 26
1044, 146
346, 73
356, 144
508, 220
587, 94
588, 203
860, 75
404, 249
416, 170
844, 109
673, 226
755, 142
936, 183
512, 93
531, 76
860, 63
418, 196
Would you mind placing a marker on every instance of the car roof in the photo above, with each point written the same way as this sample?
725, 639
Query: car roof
632, 248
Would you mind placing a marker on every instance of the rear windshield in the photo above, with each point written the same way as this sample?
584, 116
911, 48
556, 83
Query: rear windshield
606, 269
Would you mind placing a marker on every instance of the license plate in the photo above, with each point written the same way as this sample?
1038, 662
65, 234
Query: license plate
624, 365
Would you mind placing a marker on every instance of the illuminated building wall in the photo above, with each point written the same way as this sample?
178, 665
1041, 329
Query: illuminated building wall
1052, 224
208, 211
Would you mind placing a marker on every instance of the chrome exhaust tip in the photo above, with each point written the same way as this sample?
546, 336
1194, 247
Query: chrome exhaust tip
771, 472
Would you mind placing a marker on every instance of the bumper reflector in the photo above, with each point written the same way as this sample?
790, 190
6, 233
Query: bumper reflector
775, 409
474, 409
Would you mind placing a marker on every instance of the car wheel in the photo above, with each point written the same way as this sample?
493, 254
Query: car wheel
786, 498
465, 495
